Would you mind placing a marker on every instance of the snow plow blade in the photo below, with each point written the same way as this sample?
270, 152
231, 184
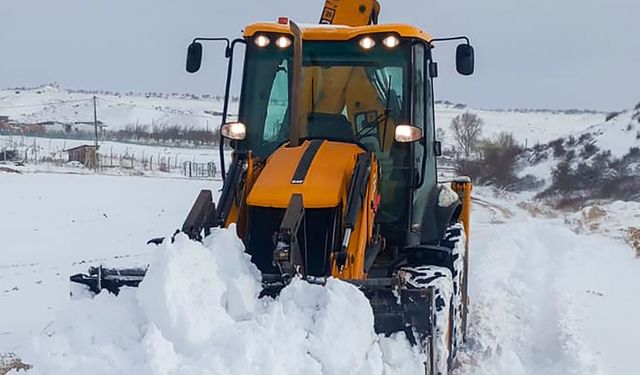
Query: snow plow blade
110, 279
408, 311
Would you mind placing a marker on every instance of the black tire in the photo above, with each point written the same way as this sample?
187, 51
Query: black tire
455, 239
449, 285
438, 278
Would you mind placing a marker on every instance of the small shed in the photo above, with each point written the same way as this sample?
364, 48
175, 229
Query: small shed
85, 154
4, 123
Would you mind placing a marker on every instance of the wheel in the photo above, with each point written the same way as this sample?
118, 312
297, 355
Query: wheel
455, 239
443, 338
449, 285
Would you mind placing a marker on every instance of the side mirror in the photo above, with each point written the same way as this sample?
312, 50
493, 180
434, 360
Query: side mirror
194, 57
437, 148
407, 134
465, 60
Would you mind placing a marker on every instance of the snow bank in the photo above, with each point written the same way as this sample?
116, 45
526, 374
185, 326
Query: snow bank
198, 312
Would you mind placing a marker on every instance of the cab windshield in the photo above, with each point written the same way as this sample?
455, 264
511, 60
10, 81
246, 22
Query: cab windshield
349, 94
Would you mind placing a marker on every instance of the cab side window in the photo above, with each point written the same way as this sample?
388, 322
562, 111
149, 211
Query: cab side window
278, 104
419, 92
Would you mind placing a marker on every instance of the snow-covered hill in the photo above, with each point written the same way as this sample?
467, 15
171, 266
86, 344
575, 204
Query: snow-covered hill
529, 127
609, 150
53, 103
619, 134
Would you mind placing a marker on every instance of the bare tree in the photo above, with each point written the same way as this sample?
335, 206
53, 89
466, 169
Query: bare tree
467, 129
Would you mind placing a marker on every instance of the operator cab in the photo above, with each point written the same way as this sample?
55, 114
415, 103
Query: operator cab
357, 86
368, 85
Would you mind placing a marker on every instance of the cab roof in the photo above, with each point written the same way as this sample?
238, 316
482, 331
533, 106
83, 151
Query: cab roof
337, 32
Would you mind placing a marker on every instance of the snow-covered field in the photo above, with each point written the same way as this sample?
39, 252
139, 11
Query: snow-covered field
42, 154
544, 299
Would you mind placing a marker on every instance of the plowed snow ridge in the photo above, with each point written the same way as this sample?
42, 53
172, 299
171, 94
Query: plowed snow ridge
197, 312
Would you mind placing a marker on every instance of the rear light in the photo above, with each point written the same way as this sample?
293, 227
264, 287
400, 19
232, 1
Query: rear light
283, 20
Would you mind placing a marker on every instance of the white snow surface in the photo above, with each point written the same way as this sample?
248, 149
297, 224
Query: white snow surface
197, 312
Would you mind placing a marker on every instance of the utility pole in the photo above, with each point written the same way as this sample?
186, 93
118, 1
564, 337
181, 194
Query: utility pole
95, 125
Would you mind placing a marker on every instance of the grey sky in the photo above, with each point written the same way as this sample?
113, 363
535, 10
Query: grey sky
543, 54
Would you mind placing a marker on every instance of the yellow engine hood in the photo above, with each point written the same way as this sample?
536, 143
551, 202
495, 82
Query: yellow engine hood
325, 182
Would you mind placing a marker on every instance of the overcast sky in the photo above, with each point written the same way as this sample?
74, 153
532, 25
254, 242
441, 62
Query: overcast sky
542, 54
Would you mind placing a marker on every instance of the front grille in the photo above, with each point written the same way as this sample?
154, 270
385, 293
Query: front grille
318, 236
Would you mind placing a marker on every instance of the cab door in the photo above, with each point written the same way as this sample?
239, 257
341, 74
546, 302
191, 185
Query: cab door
424, 160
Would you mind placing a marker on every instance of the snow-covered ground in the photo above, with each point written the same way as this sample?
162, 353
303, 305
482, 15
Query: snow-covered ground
52, 225
544, 299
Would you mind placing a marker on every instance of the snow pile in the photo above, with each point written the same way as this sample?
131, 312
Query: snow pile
619, 220
198, 312
447, 196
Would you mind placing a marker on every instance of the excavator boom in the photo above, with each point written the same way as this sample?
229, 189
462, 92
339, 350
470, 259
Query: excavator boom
350, 12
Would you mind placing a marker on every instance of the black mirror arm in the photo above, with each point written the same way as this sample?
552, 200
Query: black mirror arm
448, 39
228, 54
227, 51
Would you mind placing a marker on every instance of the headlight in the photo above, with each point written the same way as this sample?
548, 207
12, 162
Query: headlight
234, 130
367, 42
261, 41
391, 41
283, 42
407, 133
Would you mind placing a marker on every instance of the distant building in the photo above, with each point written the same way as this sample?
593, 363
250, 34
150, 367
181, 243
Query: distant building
85, 154
4, 123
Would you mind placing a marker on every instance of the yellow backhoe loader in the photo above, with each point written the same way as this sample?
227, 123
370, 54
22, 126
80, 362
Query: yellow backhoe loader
333, 172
